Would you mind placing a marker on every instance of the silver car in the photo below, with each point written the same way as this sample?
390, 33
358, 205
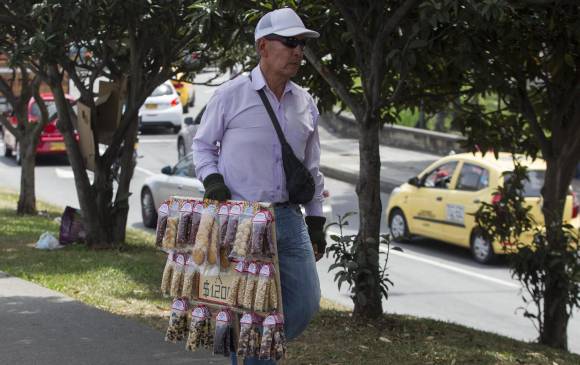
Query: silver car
177, 180
186, 134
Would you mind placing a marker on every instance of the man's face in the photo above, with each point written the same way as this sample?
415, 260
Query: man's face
280, 58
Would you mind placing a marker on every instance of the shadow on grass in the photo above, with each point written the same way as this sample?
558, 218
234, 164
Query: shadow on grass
393, 339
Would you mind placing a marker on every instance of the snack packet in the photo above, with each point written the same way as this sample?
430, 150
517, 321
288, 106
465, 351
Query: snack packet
196, 213
162, 214
224, 334
236, 284
178, 273
200, 333
262, 289
204, 235
251, 283
167, 274
242, 240
191, 279
184, 226
177, 328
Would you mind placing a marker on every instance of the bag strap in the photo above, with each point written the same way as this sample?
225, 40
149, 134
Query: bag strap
272, 115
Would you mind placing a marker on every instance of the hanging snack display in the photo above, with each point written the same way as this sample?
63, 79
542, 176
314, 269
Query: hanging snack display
222, 256
177, 329
200, 333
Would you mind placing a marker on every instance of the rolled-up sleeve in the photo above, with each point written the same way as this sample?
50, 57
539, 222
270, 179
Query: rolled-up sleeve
210, 132
312, 163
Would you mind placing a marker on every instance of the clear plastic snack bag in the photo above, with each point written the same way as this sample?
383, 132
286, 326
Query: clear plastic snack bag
198, 208
244, 231
170, 236
222, 217
204, 235
167, 274
200, 333
190, 279
212, 265
233, 217
162, 214
266, 345
249, 341
184, 226
261, 300
236, 284
273, 294
223, 343
260, 223
251, 284
279, 339
178, 273
177, 329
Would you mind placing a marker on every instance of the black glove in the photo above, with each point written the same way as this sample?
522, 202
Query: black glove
215, 188
317, 236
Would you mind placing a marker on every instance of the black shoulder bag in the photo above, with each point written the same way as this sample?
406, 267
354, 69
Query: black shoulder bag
299, 181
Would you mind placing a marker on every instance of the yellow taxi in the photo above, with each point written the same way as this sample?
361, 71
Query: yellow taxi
439, 203
186, 92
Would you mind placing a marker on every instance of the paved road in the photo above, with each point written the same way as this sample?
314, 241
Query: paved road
431, 279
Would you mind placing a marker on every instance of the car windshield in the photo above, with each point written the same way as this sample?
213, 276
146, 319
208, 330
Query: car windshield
533, 186
50, 105
162, 89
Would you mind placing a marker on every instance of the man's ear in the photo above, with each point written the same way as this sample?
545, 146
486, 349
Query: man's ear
261, 47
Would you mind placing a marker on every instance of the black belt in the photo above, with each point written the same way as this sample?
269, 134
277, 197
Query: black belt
284, 204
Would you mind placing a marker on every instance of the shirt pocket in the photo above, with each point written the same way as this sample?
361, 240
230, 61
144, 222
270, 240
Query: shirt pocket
300, 127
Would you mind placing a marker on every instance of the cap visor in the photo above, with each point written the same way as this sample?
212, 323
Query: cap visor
292, 32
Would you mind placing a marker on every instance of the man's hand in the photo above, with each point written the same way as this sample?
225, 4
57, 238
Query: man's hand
215, 188
317, 236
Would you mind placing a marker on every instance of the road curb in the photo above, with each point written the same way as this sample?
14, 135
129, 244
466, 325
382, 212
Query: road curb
352, 178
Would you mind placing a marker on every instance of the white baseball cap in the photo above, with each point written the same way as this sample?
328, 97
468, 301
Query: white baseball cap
284, 22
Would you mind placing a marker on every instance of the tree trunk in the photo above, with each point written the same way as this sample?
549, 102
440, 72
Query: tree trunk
128, 162
556, 316
96, 233
27, 197
367, 300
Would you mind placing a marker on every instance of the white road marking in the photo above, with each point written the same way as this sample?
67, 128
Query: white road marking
451, 268
64, 173
145, 171
157, 141
439, 264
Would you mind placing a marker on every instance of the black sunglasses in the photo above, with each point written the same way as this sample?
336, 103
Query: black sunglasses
289, 42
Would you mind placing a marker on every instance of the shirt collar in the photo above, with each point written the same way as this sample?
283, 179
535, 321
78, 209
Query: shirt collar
258, 81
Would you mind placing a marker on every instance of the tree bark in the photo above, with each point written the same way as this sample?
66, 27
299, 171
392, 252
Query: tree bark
368, 298
27, 196
556, 315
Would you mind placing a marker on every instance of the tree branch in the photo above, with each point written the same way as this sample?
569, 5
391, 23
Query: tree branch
529, 113
330, 77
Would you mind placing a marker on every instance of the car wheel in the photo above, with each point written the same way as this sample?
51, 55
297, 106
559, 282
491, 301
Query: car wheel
7, 151
148, 211
398, 225
180, 149
185, 108
176, 129
481, 248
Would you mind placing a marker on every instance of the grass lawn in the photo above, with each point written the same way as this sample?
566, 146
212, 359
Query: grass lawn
111, 280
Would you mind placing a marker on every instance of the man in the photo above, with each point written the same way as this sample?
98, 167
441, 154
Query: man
247, 164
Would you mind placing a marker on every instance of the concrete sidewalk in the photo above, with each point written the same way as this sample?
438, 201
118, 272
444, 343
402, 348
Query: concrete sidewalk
44, 327
340, 160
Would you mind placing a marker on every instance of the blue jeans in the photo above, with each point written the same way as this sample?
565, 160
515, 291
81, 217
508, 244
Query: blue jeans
298, 275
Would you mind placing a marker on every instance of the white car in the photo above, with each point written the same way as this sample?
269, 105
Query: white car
177, 180
186, 134
162, 109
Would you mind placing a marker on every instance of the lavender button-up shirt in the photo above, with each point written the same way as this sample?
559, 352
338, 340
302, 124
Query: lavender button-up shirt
236, 138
